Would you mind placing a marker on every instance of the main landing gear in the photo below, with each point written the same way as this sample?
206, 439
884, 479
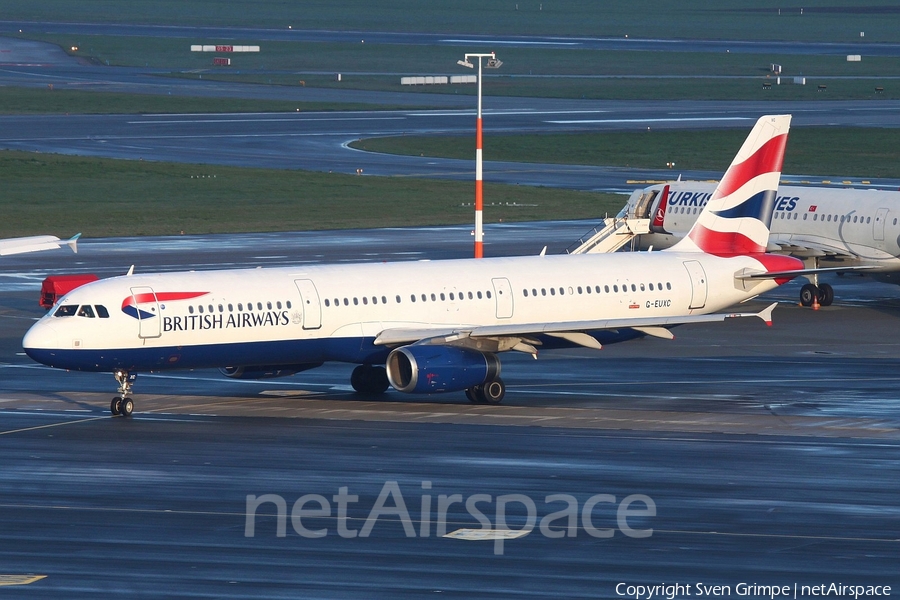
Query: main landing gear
823, 292
123, 404
490, 392
369, 379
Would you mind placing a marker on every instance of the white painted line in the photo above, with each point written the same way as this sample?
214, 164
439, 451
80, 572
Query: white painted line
670, 120
477, 535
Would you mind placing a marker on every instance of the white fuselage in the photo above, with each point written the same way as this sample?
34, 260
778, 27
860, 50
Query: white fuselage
856, 227
310, 314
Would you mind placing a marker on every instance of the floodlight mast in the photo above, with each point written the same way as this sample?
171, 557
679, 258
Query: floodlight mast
479, 189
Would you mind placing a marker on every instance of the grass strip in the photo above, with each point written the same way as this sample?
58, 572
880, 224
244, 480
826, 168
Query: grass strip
16, 100
49, 193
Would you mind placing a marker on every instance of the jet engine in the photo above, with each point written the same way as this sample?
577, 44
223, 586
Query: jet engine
266, 371
428, 369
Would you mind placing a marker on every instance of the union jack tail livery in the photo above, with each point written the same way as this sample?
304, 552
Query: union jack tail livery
736, 219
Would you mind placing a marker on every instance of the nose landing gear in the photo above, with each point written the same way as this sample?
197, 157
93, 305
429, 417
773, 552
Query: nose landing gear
123, 404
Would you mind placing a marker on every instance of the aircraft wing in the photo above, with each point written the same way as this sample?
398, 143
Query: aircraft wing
497, 338
35, 243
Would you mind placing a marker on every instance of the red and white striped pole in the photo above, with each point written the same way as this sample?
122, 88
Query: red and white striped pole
479, 183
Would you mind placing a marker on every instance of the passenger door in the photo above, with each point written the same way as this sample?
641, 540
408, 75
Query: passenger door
698, 283
309, 299
146, 307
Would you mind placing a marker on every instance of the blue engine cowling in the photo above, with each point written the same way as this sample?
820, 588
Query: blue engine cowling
266, 371
429, 369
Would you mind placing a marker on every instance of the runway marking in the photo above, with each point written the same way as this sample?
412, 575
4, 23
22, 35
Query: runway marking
294, 120
242, 514
20, 579
669, 120
24, 429
509, 42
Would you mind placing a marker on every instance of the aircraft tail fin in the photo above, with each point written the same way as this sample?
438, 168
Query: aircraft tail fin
737, 217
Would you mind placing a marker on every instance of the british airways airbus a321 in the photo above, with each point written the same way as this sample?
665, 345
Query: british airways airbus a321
431, 326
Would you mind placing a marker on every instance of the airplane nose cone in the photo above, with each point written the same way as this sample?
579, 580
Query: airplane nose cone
39, 338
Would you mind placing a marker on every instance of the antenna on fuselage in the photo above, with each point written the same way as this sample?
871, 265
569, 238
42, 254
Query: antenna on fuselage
130, 271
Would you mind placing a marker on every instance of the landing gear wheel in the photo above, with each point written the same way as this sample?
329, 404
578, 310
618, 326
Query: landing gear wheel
123, 404
493, 391
474, 394
808, 294
126, 407
826, 294
369, 379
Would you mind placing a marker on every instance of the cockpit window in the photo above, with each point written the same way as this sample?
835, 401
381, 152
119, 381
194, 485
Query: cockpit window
66, 310
102, 312
86, 311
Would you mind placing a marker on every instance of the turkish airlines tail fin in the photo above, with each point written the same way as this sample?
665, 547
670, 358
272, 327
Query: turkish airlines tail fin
736, 219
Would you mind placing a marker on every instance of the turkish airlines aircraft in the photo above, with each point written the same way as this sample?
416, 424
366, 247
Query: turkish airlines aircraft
426, 326
856, 229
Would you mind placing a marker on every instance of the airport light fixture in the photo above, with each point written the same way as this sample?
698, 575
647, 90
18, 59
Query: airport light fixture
492, 63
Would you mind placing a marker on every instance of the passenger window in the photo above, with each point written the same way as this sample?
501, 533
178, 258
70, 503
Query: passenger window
552, 291
470, 295
86, 311
356, 302
633, 288
200, 309
102, 312
579, 289
398, 299
525, 293
221, 308
191, 309
424, 298
412, 297
616, 288
488, 294
451, 295
259, 305
327, 302
562, 291
479, 295
67, 310
642, 287
346, 302
288, 303
231, 308
365, 300
543, 291
269, 305
651, 287
605, 289
384, 299
442, 297
668, 286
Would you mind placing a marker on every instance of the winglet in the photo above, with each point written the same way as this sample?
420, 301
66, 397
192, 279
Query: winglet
72, 242
766, 313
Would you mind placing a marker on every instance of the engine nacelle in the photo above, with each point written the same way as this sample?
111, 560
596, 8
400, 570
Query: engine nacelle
266, 371
429, 369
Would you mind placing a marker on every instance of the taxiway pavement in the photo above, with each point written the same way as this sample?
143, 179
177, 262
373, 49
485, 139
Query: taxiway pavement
771, 454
